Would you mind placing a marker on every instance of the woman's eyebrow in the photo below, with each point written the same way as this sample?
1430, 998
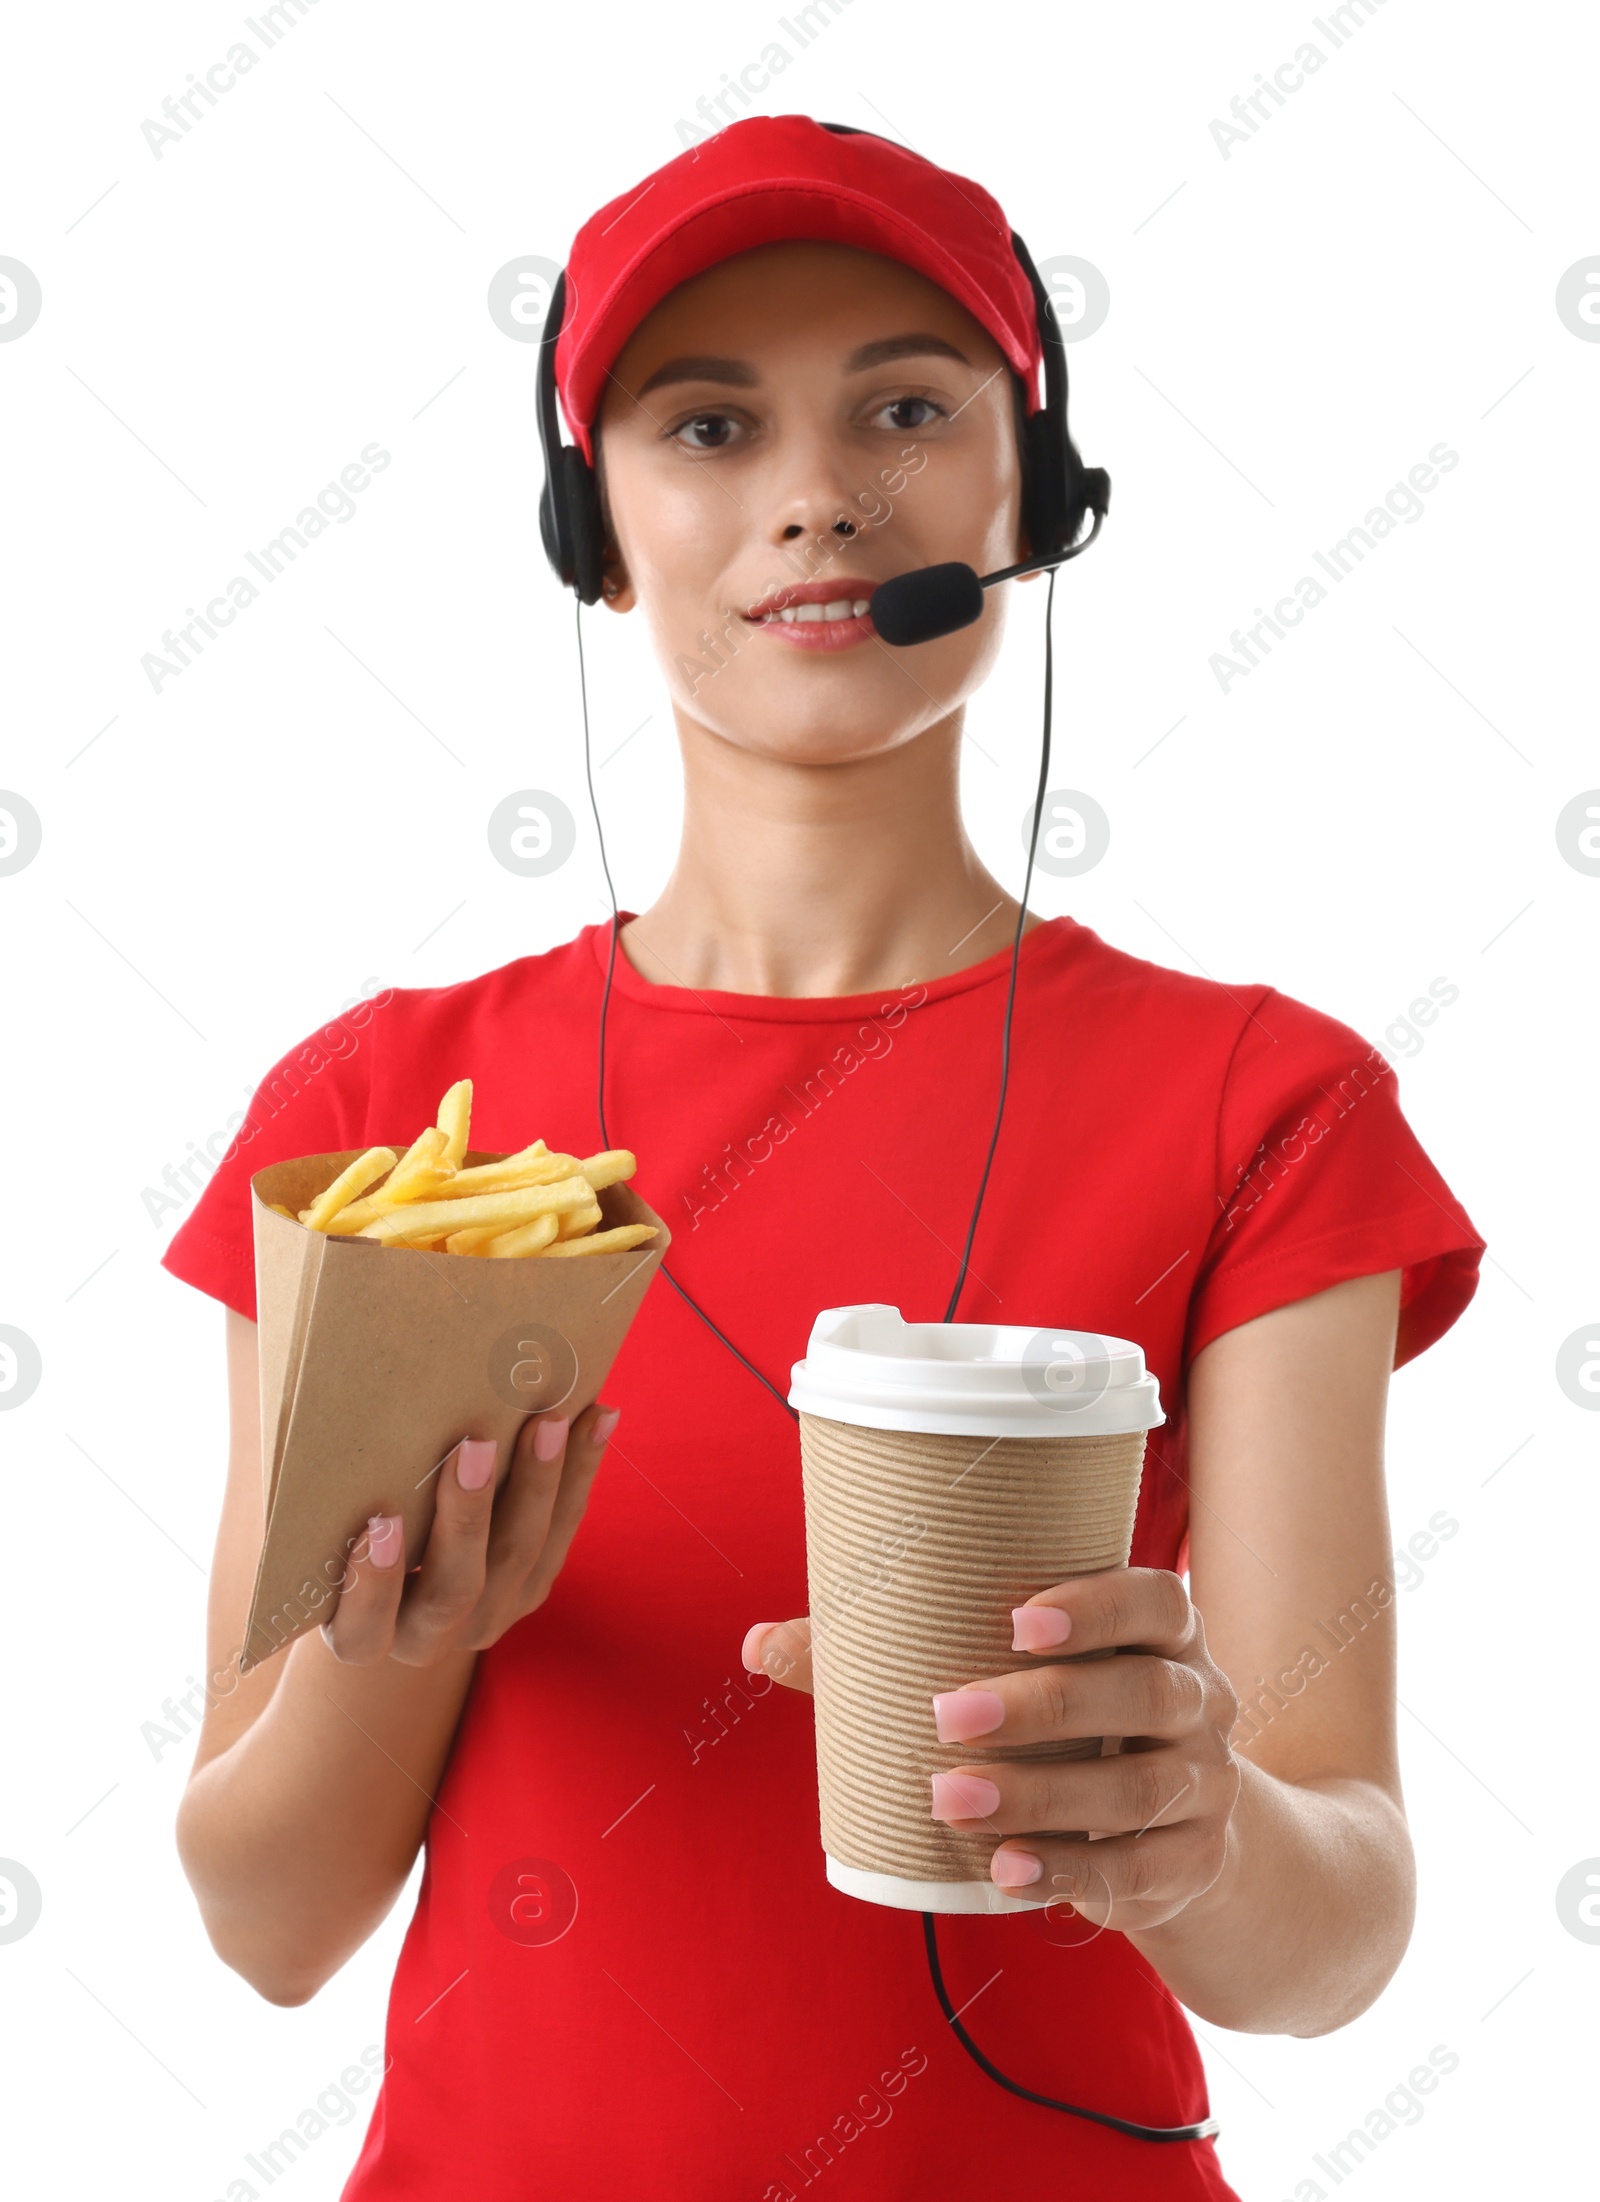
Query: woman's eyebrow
700, 369
886, 348
738, 374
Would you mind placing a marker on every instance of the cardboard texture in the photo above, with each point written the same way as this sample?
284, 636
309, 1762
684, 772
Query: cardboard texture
918, 1545
377, 1360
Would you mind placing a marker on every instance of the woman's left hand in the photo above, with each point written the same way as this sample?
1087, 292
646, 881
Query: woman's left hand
1160, 1807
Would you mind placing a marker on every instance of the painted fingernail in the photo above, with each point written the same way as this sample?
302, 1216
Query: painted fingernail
384, 1540
550, 1436
475, 1462
605, 1422
1039, 1628
1014, 1869
959, 1715
963, 1797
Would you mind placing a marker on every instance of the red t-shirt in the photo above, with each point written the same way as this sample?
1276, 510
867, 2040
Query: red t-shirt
714, 2022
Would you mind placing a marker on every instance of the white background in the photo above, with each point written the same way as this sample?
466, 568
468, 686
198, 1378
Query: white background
303, 812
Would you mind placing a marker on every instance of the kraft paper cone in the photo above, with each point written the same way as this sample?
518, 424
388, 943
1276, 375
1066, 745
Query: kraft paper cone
377, 1360
917, 1547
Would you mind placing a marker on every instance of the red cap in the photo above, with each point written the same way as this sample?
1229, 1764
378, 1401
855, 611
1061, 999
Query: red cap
763, 181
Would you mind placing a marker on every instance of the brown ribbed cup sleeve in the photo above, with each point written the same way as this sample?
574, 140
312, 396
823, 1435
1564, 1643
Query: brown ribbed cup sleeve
917, 1548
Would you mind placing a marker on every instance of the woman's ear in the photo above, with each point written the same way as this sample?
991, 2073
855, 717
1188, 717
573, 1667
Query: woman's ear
1024, 544
616, 590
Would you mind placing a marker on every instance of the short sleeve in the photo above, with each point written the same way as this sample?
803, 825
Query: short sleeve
315, 1100
1319, 1178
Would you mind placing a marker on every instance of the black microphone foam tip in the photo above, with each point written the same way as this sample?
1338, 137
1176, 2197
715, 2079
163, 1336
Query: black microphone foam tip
928, 602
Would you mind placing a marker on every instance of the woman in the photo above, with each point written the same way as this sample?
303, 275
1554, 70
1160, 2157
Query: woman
798, 353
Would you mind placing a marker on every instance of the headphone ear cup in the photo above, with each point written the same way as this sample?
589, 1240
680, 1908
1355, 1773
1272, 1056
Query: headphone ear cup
1052, 491
570, 526
586, 532
1059, 492
550, 530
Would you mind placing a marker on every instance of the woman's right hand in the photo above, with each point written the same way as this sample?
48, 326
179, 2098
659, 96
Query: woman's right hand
491, 1555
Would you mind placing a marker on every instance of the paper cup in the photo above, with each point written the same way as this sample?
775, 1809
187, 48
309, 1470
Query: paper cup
951, 1471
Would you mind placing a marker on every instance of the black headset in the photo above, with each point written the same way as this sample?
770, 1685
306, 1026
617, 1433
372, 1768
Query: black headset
1058, 494
570, 525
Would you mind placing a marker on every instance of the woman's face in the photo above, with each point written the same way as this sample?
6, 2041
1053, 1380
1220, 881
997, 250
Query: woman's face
785, 391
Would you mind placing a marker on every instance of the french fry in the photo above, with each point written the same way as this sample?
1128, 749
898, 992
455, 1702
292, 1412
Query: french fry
425, 1183
523, 1238
426, 1157
278, 1209
354, 1219
527, 1238
609, 1168
531, 1203
602, 1242
476, 1240
526, 1168
424, 1219
535, 1150
354, 1178
455, 1116
420, 1174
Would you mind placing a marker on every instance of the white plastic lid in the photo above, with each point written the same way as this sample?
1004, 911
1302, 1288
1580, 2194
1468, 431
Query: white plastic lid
868, 1366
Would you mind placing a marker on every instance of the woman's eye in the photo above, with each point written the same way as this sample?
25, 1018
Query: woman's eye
902, 410
706, 432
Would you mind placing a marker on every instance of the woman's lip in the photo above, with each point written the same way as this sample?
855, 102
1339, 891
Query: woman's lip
815, 632
820, 634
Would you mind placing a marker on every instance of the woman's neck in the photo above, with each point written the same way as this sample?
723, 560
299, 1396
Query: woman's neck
821, 880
